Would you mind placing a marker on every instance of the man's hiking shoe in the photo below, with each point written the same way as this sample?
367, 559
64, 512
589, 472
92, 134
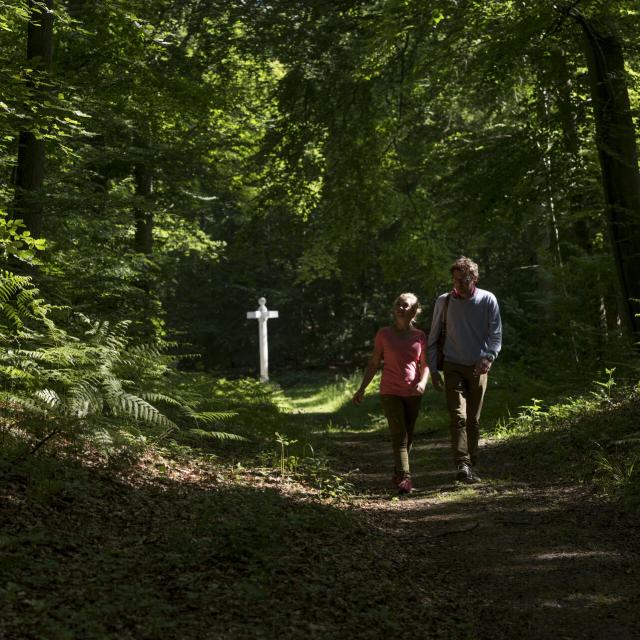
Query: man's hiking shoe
475, 478
466, 475
405, 486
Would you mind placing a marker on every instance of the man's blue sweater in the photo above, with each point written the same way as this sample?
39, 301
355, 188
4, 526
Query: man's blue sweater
474, 329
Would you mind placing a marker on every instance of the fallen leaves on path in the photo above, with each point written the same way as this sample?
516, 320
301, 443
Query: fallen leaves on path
186, 549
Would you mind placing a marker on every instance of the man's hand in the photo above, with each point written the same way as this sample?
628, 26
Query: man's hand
482, 366
436, 378
358, 396
420, 387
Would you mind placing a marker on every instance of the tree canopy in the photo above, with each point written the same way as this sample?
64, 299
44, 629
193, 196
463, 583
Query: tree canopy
183, 158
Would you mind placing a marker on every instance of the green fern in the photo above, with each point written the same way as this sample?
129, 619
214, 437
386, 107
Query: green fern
19, 300
9, 373
90, 382
141, 410
216, 435
48, 396
153, 396
97, 379
211, 417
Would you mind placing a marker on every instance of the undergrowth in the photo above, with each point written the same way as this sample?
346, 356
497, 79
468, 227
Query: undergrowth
597, 432
87, 382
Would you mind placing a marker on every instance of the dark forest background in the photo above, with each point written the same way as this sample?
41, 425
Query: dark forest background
182, 158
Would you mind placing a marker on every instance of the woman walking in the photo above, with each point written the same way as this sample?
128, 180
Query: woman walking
402, 348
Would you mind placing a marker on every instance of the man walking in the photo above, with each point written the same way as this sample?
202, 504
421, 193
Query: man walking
471, 320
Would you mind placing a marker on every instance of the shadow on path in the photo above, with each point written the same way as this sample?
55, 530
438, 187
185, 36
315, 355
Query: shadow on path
528, 556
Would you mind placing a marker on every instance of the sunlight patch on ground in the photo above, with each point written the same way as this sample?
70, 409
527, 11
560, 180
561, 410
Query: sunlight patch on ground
582, 600
565, 555
463, 494
327, 400
587, 599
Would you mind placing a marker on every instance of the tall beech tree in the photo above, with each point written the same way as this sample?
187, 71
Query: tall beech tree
30, 167
617, 151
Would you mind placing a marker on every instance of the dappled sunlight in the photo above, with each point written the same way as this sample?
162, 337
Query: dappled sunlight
437, 473
580, 555
319, 404
329, 397
590, 599
420, 445
272, 541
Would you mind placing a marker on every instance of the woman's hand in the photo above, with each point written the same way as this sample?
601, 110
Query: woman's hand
420, 387
358, 396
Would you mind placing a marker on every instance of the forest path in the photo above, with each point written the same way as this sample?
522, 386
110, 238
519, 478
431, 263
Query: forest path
528, 553
181, 547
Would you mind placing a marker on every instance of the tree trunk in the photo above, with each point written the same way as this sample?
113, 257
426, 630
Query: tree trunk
31, 149
144, 216
616, 142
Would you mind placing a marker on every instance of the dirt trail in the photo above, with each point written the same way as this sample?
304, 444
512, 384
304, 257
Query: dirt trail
526, 554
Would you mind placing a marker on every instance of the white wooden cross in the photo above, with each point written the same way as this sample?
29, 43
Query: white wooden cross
262, 315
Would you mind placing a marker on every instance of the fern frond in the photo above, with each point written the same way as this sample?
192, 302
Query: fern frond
30, 405
12, 315
56, 335
111, 388
151, 396
14, 373
146, 352
83, 399
11, 284
28, 304
114, 337
101, 438
139, 409
217, 435
117, 339
51, 356
48, 396
211, 417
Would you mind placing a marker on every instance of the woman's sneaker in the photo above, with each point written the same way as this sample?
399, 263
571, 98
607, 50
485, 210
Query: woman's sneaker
405, 486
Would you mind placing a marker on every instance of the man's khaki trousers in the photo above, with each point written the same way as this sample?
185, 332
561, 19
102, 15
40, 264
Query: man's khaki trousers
464, 391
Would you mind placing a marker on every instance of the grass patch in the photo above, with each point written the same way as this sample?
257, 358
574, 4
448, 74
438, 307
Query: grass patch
593, 435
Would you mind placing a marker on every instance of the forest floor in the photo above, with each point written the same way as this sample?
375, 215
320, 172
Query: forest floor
528, 553
180, 548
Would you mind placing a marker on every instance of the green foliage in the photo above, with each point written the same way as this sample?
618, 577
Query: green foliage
595, 431
327, 159
17, 241
304, 464
617, 472
99, 386
284, 443
318, 471
19, 302
258, 407
607, 387
531, 418
78, 383
335, 391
